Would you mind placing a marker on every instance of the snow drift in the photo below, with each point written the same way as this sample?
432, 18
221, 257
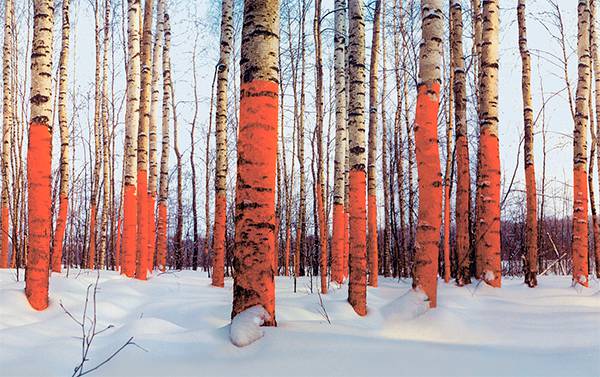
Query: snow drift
246, 326
183, 324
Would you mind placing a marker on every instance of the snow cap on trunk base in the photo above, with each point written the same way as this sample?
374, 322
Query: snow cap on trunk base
245, 327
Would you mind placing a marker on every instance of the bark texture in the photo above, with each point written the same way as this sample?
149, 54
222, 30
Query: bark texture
596, 139
531, 227
463, 174
39, 157
487, 241
161, 244
143, 143
357, 288
427, 153
579, 243
7, 113
372, 154
153, 132
221, 137
448, 171
257, 155
132, 119
339, 214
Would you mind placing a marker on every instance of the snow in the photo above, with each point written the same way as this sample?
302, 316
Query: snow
246, 326
407, 307
183, 325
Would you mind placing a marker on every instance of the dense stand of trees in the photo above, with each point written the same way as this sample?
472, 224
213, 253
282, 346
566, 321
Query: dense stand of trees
386, 154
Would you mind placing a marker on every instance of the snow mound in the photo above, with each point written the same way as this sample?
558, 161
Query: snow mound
409, 306
246, 326
489, 275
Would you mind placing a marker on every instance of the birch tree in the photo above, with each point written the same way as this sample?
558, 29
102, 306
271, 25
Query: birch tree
39, 157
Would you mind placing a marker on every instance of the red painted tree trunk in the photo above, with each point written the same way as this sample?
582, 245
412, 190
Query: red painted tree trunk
427, 153
254, 282
161, 244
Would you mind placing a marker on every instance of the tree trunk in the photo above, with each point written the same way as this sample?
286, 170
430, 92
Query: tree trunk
427, 153
289, 186
207, 177
95, 183
196, 245
220, 227
163, 201
39, 180
106, 207
178, 246
347, 165
463, 172
372, 154
531, 219
487, 241
320, 184
387, 177
399, 145
357, 288
579, 241
339, 215
132, 118
7, 113
448, 172
476, 64
301, 224
255, 194
142, 152
410, 145
595, 143
152, 132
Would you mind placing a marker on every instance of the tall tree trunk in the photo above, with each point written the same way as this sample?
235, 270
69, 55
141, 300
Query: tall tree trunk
463, 172
163, 201
448, 172
339, 215
288, 178
530, 187
372, 154
387, 178
106, 205
196, 245
596, 141
278, 203
476, 19
178, 245
207, 176
487, 241
427, 153
579, 241
399, 145
95, 182
39, 180
347, 162
320, 184
142, 152
132, 118
410, 145
289, 187
7, 111
301, 224
357, 288
220, 227
153, 130
255, 194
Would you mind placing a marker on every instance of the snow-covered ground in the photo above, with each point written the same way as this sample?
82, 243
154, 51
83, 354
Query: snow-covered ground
182, 323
